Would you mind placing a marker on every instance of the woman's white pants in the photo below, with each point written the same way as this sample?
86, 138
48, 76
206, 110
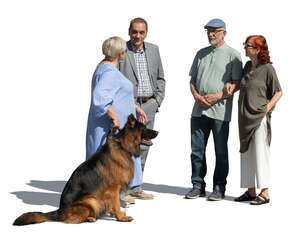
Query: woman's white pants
255, 161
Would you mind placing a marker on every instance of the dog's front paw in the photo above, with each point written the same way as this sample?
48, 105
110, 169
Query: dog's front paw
91, 219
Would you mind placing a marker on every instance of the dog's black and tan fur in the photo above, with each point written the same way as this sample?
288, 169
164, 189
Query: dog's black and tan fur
94, 187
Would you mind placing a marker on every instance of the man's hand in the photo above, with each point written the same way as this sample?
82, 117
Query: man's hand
140, 114
213, 98
201, 100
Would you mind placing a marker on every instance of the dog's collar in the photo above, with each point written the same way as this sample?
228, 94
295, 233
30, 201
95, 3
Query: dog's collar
113, 131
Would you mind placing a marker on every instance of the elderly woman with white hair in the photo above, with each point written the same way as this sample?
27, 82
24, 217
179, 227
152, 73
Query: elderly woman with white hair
112, 101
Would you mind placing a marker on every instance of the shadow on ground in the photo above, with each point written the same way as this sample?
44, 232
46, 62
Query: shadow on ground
42, 198
162, 188
56, 187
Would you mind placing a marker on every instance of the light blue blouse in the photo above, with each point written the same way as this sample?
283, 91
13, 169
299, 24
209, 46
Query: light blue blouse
109, 87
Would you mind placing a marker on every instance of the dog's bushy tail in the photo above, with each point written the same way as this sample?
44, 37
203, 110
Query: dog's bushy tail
36, 217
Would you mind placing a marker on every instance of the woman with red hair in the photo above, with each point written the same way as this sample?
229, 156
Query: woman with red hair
259, 92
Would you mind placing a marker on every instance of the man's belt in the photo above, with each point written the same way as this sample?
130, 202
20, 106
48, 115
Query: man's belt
143, 100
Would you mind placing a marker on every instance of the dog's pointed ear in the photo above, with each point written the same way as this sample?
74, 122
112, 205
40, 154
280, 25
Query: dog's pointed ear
131, 120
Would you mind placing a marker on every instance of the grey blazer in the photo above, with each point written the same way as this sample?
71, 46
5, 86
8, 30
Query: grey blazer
155, 69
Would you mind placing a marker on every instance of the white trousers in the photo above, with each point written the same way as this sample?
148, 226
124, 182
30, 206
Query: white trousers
255, 161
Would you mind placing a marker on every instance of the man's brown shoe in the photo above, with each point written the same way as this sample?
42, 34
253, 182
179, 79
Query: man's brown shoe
128, 198
142, 195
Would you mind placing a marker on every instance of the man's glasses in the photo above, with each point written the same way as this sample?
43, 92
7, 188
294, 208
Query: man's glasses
208, 31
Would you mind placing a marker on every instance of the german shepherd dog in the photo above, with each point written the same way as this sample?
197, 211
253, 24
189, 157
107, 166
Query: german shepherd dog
94, 187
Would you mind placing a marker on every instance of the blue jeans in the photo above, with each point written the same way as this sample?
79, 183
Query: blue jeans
200, 130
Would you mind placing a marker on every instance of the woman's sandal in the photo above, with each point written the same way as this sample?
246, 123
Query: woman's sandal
245, 197
260, 199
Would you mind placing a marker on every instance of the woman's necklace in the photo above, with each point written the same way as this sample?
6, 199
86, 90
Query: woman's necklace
107, 59
253, 67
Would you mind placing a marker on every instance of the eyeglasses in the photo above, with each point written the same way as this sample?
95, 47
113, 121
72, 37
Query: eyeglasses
208, 31
247, 45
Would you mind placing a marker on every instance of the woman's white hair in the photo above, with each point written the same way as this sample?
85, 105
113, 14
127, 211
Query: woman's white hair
113, 46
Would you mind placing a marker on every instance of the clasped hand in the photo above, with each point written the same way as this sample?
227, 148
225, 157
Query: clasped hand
208, 100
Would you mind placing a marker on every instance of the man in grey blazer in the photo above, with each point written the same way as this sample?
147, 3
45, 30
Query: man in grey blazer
143, 67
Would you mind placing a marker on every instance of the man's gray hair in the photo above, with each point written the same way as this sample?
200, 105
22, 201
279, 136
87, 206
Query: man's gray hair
138, 20
113, 46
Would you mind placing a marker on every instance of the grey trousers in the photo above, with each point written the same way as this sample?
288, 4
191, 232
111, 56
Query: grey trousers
150, 108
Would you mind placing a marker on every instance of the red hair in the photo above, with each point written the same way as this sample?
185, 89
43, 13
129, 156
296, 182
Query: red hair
260, 43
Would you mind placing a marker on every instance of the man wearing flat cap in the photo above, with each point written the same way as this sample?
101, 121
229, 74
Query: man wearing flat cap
215, 74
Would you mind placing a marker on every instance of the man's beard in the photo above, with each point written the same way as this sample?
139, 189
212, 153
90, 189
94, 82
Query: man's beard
214, 41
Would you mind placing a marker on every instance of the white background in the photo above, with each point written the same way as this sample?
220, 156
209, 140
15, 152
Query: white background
48, 53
